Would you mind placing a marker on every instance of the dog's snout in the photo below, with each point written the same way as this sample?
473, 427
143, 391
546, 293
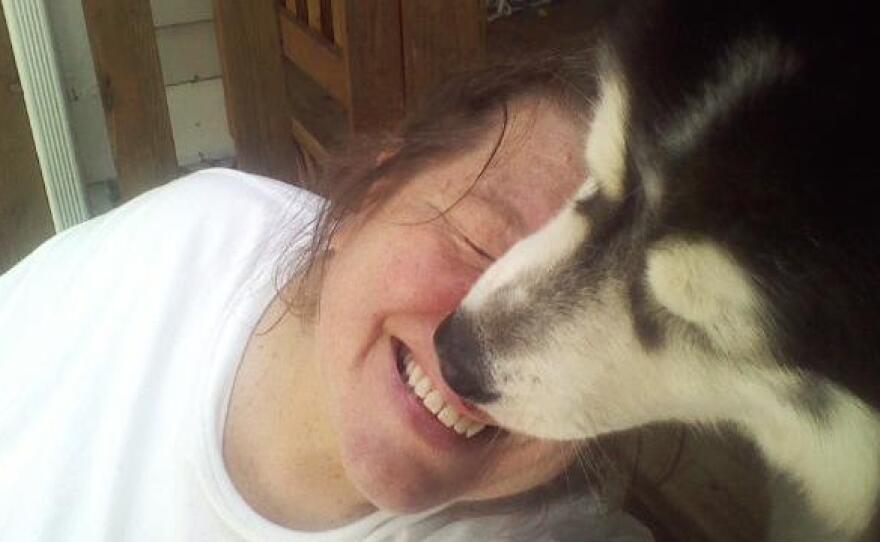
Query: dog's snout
462, 360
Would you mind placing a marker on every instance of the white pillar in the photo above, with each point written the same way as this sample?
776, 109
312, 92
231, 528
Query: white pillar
35, 57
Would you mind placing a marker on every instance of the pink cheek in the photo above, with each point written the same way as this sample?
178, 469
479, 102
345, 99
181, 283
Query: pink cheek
429, 281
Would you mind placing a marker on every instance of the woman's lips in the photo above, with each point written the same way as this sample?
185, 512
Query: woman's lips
432, 399
443, 405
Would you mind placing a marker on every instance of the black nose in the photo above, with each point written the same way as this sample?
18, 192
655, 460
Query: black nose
462, 360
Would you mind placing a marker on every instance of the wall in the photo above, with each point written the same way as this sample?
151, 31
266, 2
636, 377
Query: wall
193, 79
83, 97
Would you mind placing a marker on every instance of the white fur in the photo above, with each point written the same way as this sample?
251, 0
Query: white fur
606, 143
837, 464
534, 253
591, 375
702, 284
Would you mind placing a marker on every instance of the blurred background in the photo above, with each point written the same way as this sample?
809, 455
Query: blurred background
124, 95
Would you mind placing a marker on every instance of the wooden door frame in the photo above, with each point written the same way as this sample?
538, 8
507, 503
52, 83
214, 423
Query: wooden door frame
129, 73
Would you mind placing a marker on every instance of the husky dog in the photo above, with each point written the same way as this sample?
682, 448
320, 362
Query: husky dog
721, 262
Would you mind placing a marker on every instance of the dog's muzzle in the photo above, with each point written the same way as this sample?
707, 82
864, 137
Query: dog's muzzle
462, 360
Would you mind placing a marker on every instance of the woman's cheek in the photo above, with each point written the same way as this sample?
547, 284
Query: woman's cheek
432, 276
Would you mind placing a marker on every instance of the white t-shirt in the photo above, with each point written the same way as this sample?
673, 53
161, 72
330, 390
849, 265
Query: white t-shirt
119, 341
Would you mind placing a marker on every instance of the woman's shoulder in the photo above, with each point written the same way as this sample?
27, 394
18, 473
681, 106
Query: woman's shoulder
220, 209
225, 181
208, 217
222, 190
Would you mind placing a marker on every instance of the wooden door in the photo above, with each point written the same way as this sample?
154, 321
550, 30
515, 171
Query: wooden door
25, 221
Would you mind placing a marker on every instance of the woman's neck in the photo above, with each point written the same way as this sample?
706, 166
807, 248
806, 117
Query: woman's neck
279, 445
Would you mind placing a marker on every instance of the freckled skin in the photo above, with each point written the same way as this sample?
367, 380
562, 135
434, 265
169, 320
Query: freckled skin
393, 280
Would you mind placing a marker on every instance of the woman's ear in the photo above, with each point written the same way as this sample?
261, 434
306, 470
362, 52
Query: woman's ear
349, 225
343, 233
384, 156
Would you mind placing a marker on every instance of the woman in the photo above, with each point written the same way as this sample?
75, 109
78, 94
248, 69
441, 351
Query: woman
199, 365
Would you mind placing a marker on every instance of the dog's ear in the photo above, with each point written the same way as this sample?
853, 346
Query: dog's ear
701, 283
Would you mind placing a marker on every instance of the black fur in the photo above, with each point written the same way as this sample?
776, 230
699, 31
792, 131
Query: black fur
784, 174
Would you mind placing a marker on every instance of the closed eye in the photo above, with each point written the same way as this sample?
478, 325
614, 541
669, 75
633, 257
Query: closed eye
466, 240
476, 248
462, 237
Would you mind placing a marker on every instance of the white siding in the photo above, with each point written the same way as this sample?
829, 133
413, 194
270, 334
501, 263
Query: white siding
188, 52
83, 94
191, 69
198, 118
168, 12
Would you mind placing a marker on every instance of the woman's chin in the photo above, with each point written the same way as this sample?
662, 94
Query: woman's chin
405, 502
400, 486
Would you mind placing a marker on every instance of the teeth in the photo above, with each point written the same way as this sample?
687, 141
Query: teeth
448, 416
432, 400
474, 429
415, 372
422, 388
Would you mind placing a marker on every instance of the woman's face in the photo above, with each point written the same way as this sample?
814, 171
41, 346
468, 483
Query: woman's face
396, 274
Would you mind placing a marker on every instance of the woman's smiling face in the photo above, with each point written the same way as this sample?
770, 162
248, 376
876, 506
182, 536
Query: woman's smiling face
396, 274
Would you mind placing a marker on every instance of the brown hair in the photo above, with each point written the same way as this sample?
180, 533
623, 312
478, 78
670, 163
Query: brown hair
459, 112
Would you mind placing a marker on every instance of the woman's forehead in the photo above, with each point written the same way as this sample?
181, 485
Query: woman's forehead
519, 182
537, 168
